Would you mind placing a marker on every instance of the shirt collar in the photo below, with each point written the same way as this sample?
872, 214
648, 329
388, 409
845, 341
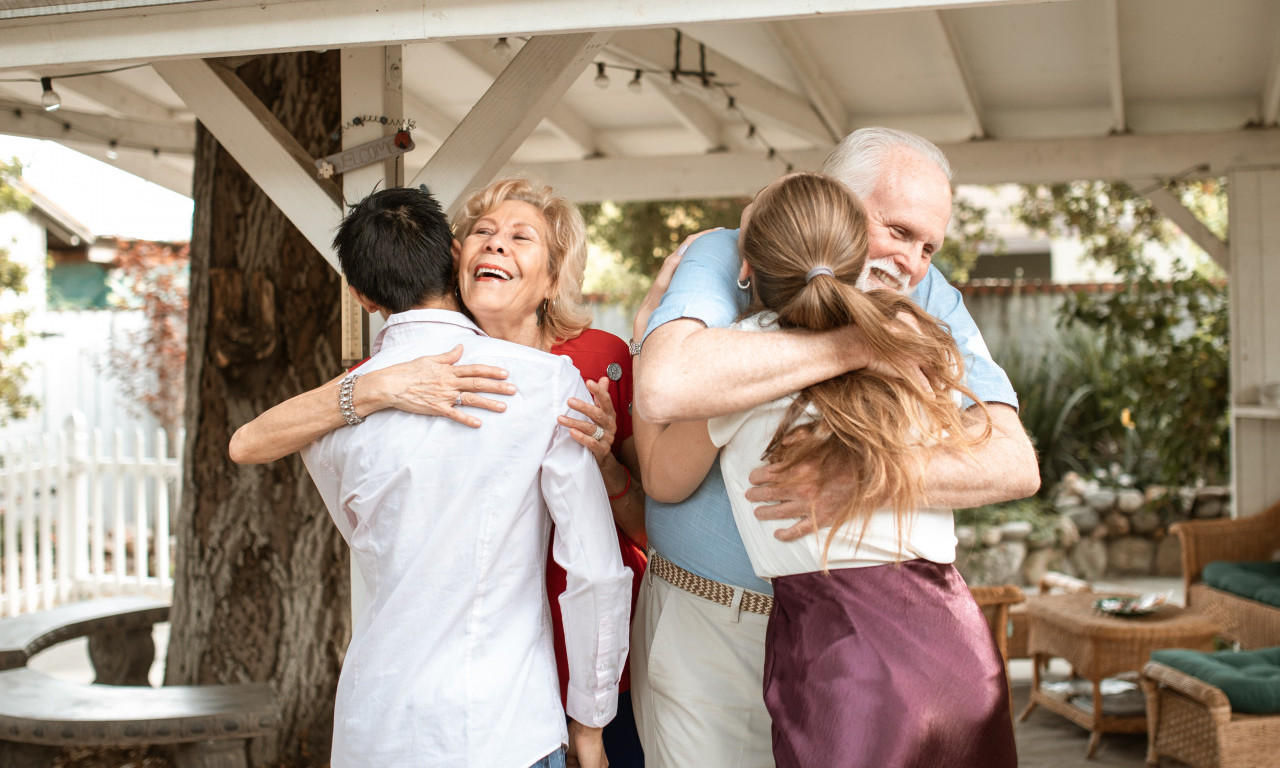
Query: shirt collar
442, 316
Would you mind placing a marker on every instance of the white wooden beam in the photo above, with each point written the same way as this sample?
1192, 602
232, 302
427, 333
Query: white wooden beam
561, 120
116, 97
692, 112
71, 41
1141, 159
169, 170
255, 138
433, 123
1271, 91
1172, 208
508, 112
1115, 74
958, 73
21, 119
819, 91
757, 96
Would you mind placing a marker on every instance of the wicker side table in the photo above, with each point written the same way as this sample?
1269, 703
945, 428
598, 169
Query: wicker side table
1099, 646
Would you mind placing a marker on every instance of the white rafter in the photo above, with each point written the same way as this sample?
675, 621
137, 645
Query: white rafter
561, 120
508, 112
1173, 209
1271, 91
757, 96
260, 144
22, 119
959, 74
117, 97
1115, 75
820, 92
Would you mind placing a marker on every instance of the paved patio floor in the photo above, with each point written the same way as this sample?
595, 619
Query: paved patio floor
1045, 740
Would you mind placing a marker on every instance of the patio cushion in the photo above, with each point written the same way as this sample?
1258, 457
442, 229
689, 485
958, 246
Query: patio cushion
1256, 581
1250, 679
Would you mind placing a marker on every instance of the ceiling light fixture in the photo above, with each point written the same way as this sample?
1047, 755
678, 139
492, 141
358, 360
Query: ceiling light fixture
602, 80
50, 99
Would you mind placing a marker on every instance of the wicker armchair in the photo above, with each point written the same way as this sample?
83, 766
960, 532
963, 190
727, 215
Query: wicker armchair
1192, 721
995, 602
1256, 538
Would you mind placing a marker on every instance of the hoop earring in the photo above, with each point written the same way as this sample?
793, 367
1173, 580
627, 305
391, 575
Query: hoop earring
744, 285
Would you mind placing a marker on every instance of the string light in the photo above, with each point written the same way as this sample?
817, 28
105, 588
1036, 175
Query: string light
602, 80
50, 99
634, 86
112, 154
502, 47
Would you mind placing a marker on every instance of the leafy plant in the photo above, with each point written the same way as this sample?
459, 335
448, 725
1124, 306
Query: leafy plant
1163, 381
14, 404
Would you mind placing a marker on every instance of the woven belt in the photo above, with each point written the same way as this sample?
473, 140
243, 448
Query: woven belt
706, 588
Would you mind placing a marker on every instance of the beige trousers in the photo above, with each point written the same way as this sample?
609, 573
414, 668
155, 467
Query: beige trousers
697, 680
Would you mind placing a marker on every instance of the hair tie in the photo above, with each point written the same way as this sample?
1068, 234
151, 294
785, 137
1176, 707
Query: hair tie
818, 271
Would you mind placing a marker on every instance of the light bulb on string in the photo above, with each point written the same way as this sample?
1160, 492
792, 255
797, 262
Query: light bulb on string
50, 99
602, 80
502, 48
112, 154
634, 86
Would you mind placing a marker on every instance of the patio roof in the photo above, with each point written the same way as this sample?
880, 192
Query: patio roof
729, 95
1014, 91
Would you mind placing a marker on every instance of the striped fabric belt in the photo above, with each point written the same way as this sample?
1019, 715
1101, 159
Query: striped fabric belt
706, 588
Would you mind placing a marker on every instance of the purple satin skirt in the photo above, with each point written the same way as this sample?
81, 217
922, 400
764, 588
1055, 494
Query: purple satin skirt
890, 666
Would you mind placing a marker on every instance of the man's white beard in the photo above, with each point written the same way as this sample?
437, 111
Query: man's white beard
891, 277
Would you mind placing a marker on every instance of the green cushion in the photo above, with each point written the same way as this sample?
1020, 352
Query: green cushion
1256, 581
1250, 679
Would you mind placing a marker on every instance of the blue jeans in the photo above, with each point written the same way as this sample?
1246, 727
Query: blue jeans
553, 760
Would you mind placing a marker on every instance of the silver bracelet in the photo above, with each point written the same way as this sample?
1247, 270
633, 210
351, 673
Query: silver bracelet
345, 405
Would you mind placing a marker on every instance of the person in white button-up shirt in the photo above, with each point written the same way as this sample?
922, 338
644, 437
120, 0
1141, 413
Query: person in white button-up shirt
451, 661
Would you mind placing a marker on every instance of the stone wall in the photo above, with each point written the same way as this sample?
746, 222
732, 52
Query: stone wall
1103, 528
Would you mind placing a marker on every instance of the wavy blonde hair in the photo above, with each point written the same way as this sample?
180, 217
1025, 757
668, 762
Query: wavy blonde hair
870, 427
565, 316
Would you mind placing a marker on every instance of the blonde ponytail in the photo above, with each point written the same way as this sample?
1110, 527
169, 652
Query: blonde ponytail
806, 242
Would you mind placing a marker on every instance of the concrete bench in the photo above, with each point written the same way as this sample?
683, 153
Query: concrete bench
210, 725
118, 629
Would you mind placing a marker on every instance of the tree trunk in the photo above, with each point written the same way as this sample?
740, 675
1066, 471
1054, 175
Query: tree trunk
262, 588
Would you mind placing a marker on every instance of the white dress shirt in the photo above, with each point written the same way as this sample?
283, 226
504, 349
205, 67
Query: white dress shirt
451, 660
929, 533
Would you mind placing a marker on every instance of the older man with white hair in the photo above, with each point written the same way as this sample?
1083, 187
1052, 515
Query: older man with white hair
698, 633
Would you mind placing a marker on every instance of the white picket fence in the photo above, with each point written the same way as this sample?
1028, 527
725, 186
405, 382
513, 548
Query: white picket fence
83, 514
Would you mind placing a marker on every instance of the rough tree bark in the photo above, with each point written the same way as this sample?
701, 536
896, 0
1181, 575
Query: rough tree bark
262, 587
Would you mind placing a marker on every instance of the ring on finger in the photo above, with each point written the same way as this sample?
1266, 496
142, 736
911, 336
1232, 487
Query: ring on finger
458, 400
598, 434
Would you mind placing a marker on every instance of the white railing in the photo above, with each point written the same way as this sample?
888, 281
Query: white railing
85, 514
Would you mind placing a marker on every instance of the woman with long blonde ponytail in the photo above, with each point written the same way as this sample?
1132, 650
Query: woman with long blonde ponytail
876, 653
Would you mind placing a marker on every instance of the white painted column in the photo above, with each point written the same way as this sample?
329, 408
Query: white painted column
372, 81
1255, 337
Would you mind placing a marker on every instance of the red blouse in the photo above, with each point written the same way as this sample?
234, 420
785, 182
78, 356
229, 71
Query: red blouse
593, 352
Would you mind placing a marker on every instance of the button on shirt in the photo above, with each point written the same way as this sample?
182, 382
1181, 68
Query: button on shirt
699, 534
451, 660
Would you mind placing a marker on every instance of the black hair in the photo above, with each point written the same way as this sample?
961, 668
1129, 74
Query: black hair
394, 247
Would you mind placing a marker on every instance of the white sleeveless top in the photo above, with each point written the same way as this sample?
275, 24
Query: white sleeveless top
743, 437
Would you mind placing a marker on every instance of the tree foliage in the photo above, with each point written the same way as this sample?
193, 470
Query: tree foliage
1160, 409
643, 233
150, 364
14, 404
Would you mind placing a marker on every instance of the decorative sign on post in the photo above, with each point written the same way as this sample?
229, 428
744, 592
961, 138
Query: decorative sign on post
365, 154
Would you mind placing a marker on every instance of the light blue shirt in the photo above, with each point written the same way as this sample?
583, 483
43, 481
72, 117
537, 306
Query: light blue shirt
699, 533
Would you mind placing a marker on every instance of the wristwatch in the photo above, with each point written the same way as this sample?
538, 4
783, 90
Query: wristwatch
634, 346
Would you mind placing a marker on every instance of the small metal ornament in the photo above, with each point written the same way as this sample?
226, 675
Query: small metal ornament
614, 371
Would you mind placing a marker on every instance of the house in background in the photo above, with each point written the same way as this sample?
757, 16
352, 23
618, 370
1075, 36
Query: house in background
77, 310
